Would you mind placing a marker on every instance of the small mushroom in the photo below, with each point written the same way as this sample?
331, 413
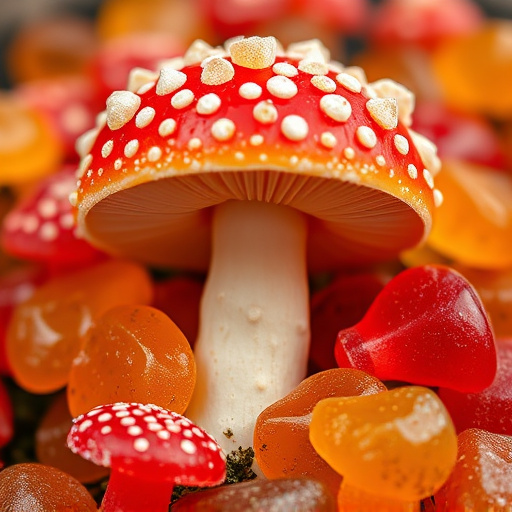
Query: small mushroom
149, 450
275, 159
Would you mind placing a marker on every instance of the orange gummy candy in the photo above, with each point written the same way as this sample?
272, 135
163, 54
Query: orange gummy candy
132, 354
482, 478
475, 71
37, 487
44, 333
281, 436
29, 149
398, 445
474, 224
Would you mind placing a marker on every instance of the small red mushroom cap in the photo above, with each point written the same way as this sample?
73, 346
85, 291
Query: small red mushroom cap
149, 441
41, 226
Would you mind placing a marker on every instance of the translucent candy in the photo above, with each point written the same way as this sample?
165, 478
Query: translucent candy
281, 436
132, 354
40, 488
491, 409
427, 326
45, 331
482, 478
399, 444
282, 495
474, 223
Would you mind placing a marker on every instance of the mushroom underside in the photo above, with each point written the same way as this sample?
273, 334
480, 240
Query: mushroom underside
167, 222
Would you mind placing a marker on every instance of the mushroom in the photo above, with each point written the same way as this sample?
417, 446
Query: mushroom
149, 450
274, 158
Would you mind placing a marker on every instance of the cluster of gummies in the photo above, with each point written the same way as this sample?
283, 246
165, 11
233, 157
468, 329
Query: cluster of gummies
408, 405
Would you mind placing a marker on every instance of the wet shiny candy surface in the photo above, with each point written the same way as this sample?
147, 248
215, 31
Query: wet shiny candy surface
45, 330
482, 478
399, 444
427, 326
281, 438
132, 354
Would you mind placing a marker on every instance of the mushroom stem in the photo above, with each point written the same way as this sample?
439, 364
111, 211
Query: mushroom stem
131, 494
253, 339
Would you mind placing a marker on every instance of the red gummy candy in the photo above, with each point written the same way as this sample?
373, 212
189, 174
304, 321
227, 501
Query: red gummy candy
428, 326
490, 409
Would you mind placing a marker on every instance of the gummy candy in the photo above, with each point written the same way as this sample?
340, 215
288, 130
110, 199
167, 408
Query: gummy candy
127, 356
427, 326
281, 435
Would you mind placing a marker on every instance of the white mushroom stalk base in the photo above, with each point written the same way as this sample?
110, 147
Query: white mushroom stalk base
253, 339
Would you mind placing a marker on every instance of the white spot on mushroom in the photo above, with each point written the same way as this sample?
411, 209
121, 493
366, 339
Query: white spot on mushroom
324, 83
106, 416
141, 444
145, 88
154, 153
167, 127
412, 171
216, 71
336, 107
401, 144
223, 129
107, 148
73, 199
263, 157
172, 427
131, 148
366, 136
438, 197
188, 434
405, 99
84, 425
169, 81
349, 82
194, 143
380, 160
285, 69
139, 77
163, 434
429, 179
134, 430
67, 221
349, 153
256, 140
85, 142
384, 112
154, 427
428, 152
118, 164
309, 48
197, 432
144, 117
254, 52
200, 50
106, 430
250, 91
294, 127
281, 87
84, 165
313, 66
149, 419
182, 99
47, 207
121, 107
188, 446
265, 112
48, 231
328, 140
208, 104
127, 421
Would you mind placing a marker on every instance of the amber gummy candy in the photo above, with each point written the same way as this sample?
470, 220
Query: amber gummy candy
45, 331
281, 435
40, 488
132, 354
398, 445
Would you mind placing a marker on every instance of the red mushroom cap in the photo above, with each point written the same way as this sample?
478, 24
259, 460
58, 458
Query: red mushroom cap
244, 124
42, 228
149, 441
